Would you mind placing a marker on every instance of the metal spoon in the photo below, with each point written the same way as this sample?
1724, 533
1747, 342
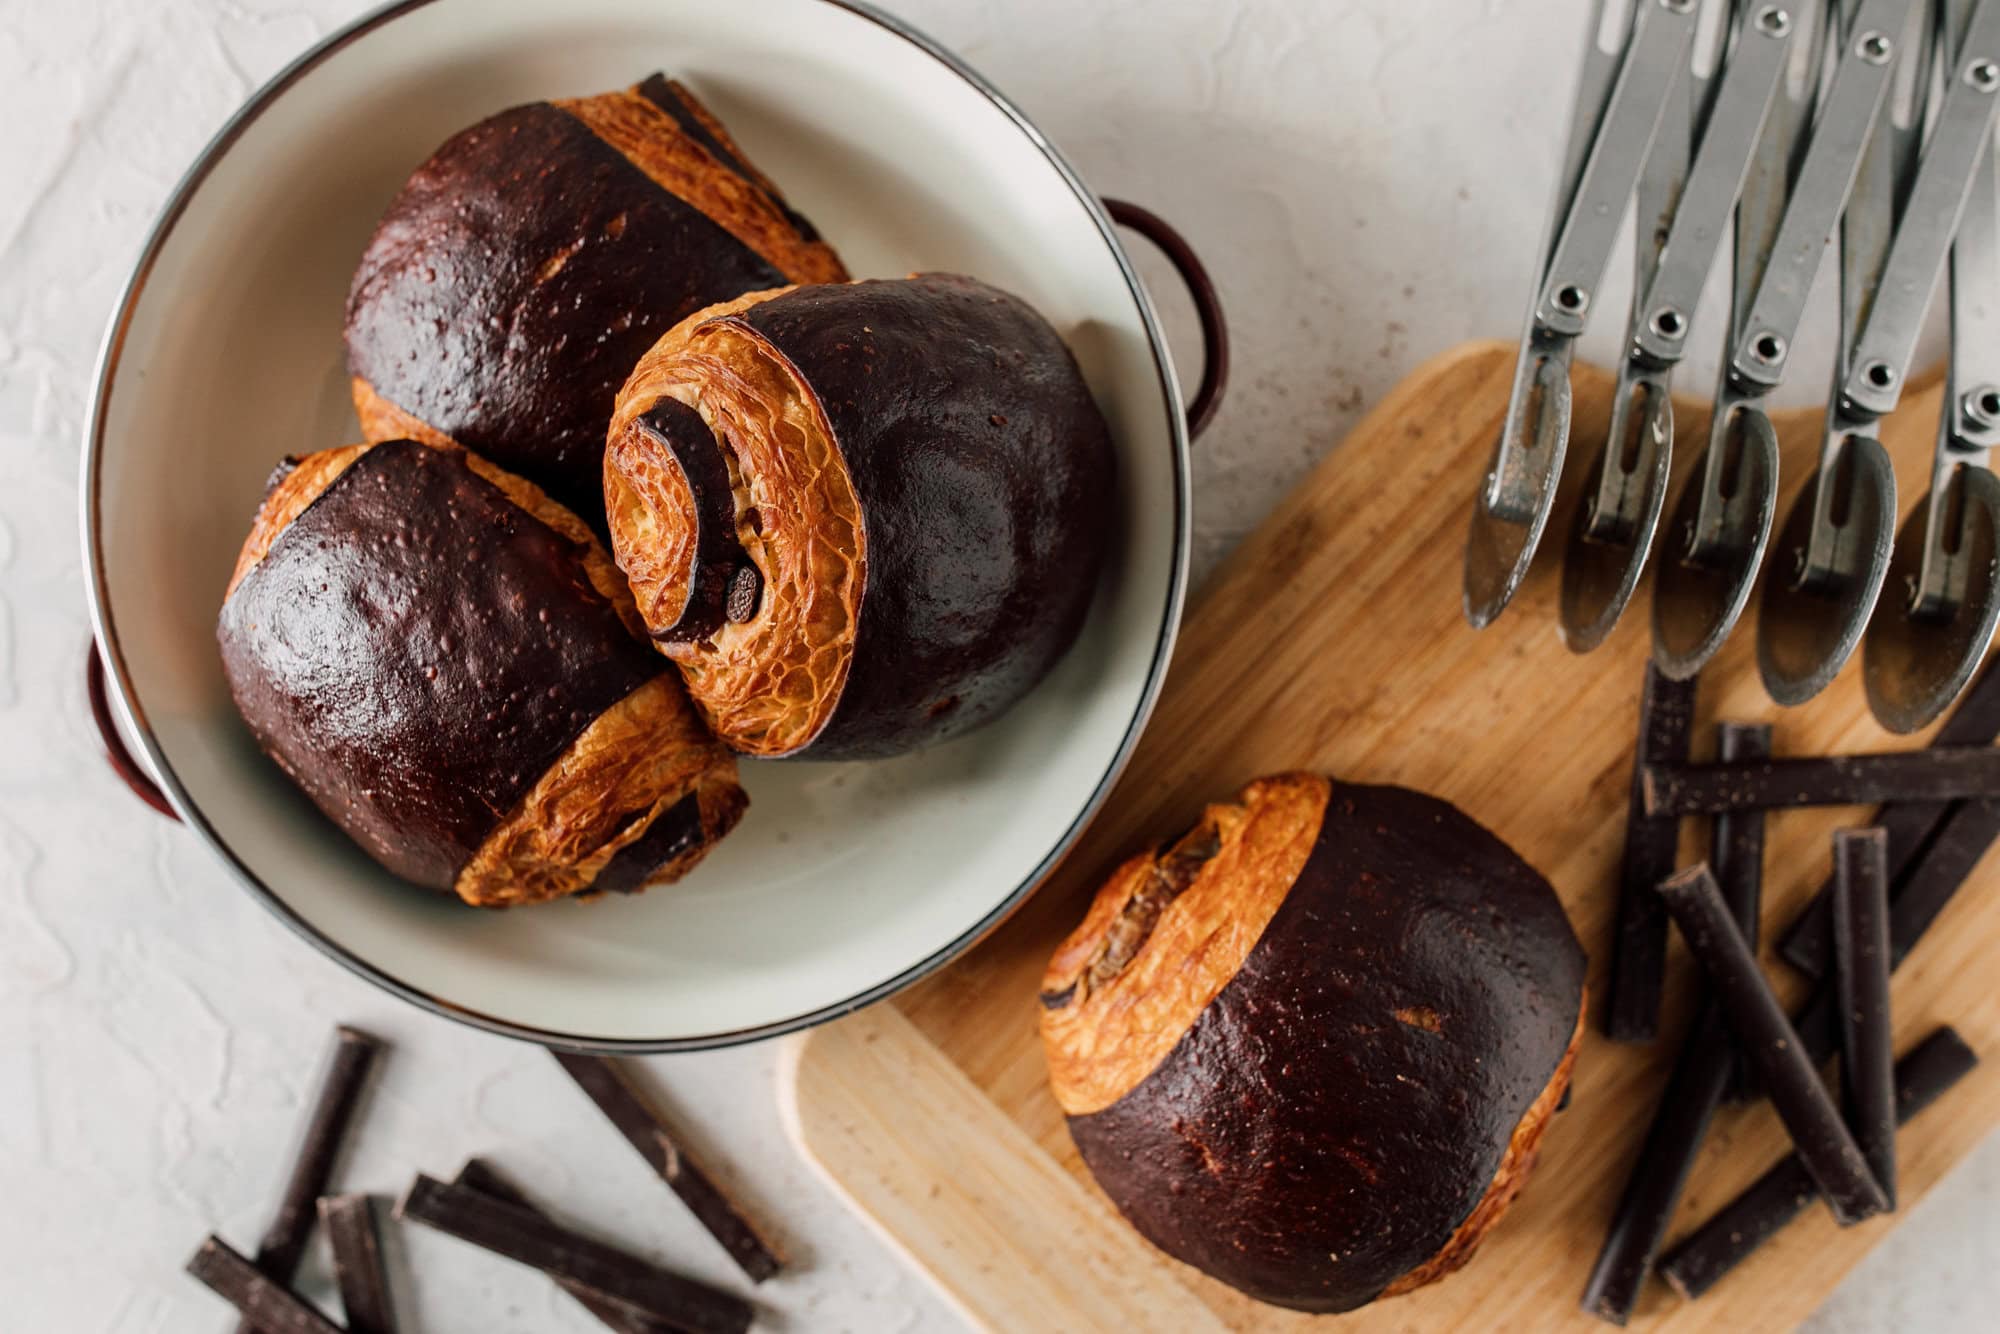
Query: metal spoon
1926, 639
1620, 102
1813, 620
1722, 520
1681, 215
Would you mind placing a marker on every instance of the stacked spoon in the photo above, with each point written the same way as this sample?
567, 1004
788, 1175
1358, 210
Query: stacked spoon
1871, 120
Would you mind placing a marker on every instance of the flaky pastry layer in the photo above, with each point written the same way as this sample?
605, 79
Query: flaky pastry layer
635, 762
382, 420
678, 164
768, 685
1103, 1035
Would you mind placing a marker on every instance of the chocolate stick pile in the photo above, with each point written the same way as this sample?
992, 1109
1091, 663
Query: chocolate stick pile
1783, 1193
1771, 1046
1940, 812
1696, 1086
284, 1242
627, 1292
1911, 826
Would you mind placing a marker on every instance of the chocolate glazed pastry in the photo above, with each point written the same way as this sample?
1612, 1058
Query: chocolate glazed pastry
525, 266
446, 662
1311, 1047
863, 517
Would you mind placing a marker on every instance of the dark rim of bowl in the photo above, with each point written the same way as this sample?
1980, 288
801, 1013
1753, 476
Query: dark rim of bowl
100, 607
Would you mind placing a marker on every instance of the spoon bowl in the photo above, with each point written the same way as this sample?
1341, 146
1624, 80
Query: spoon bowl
1916, 660
1814, 611
1700, 591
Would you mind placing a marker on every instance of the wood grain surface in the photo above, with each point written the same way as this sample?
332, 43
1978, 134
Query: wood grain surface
1332, 639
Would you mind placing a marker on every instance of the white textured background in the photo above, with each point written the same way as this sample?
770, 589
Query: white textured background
1365, 178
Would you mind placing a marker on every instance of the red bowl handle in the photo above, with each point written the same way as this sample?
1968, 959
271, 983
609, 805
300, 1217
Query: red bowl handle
121, 759
1207, 306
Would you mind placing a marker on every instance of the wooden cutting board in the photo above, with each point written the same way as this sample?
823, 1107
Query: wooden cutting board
1332, 640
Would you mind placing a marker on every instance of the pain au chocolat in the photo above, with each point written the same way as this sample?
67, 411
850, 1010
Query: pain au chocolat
1311, 1046
523, 269
861, 517
447, 664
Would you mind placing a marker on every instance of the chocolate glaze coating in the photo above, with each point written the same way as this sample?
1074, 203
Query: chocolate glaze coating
1306, 1142
984, 473
416, 650
514, 281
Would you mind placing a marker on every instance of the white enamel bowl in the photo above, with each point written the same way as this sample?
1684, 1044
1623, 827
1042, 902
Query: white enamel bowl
844, 882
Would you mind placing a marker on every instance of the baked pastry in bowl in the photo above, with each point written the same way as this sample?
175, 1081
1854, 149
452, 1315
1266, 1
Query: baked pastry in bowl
445, 662
864, 517
1311, 1046
525, 266
227, 323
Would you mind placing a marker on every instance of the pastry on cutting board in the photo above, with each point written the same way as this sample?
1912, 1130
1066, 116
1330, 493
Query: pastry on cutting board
1311, 1046
862, 518
444, 660
524, 267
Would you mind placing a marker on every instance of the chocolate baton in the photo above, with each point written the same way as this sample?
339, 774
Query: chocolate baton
1772, 1047
1861, 982
1934, 774
1652, 843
